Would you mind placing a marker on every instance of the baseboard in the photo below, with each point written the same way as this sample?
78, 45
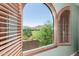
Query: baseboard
74, 53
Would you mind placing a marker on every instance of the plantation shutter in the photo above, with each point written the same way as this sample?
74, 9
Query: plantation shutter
10, 30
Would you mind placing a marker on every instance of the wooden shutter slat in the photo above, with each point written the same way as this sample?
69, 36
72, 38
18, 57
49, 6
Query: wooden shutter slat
9, 40
9, 44
9, 49
9, 24
9, 36
13, 50
17, 50
8, 11
4, 14
13, 6
10, 30
9, 8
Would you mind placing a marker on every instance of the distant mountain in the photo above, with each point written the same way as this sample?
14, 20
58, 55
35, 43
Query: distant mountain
24, 27
33, 28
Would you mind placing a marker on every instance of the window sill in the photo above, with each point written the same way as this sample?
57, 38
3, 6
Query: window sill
39, 50
64, 44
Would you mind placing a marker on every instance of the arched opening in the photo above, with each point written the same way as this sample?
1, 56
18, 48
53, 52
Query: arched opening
64, 26
39, 20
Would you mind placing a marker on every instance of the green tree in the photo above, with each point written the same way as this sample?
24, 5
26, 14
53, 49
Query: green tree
45, 34
27, 33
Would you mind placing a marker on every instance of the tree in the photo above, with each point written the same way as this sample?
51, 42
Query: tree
45, 35
27, 33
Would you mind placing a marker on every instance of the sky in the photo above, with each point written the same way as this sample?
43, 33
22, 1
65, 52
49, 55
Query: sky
35, 14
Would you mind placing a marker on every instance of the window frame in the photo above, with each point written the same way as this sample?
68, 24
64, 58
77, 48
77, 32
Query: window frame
47, 47
69, 34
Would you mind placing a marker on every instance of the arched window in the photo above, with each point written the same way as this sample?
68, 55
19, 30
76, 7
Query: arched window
64, 25
41, 19
38, 26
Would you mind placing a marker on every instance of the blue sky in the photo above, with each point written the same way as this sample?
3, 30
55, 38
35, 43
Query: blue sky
35, 14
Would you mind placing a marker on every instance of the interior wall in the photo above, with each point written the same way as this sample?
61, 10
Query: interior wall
75, 17
76, 25
66, 50
78, 28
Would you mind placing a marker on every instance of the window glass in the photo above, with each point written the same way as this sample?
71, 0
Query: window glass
38, 26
